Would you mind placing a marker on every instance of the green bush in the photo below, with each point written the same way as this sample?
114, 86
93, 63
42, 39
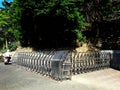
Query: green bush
3, 49
12, 46
81, 39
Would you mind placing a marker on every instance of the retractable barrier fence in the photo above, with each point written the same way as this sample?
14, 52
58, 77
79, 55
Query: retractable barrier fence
65, 63
90, 61
55, 64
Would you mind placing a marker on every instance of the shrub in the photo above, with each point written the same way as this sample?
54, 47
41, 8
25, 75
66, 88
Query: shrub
12, 46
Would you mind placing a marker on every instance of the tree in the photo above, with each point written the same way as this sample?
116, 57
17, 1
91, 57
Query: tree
7, 36
4, 22
62, 17
52, 23
96, 12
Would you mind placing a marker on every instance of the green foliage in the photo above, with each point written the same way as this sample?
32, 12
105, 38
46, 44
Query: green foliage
31, 18
14, 34
79, 34
4, 18
106, 8
9, 34
28, 16
1, 39
80, 37
12, 46
3, 49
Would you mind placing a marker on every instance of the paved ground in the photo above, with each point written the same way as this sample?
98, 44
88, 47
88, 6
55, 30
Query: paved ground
13, 77
107, 79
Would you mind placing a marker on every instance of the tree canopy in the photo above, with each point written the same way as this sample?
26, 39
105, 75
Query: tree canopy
52, 22
7, 34
59, 23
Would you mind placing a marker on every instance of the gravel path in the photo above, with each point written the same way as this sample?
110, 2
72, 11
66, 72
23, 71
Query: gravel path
14, 77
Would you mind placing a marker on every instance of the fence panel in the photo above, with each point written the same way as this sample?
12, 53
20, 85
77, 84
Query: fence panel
48, 63
62, 64
89, 61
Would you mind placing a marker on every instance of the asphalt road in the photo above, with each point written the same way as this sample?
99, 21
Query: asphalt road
14, 77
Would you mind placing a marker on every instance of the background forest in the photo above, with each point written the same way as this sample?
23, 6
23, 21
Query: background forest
47, 24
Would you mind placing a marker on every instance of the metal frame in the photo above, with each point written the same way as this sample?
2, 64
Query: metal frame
63, 64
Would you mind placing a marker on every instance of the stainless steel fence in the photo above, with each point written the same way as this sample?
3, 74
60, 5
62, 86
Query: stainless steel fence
55, 64
63, 64
90, 61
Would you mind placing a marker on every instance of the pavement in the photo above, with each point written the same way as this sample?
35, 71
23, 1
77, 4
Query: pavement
107, 79
14, 77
